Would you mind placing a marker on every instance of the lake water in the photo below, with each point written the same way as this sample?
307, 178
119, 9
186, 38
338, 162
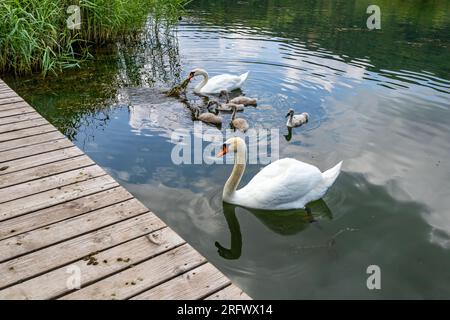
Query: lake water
378, 100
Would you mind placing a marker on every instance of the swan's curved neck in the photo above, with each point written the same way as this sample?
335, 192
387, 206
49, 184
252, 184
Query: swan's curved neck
240, 161
291, 117
205, 80
227, 97
233, 116
196, 114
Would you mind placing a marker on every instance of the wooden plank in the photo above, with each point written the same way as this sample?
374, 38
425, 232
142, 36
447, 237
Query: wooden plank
39, 159
48, 183
10, 100
26, 132
19, 118
229, 293
142, 276
16, 105
39, 262
7, 94
6, 91
23, 125
28, 141
63, 211
54, 283
24, 108
53, 197
45, 170
195, 284
32, 150
61, 231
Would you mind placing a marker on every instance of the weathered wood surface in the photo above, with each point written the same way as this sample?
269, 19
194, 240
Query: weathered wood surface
60, 212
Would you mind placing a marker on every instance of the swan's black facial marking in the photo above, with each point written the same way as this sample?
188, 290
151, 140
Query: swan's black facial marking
224, 151
191, 75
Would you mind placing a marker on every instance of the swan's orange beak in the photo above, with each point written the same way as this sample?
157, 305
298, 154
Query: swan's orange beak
191, 75
223, 152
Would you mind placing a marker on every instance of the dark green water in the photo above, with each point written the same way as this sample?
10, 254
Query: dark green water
379, 100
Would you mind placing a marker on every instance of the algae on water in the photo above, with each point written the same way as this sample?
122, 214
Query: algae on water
179, 89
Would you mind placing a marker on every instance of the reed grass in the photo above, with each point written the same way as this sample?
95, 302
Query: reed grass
34, 34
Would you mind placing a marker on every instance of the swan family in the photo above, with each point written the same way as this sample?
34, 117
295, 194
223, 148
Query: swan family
282, 185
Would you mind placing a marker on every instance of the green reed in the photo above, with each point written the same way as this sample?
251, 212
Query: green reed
34, 34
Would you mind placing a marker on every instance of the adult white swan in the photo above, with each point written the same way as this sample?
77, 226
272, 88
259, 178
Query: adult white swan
282, 185
217, 83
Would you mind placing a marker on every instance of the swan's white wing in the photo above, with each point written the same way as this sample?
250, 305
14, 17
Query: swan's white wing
280, 183
222, 82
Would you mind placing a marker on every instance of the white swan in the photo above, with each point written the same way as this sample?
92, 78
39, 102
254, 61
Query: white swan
282, 185
218, 83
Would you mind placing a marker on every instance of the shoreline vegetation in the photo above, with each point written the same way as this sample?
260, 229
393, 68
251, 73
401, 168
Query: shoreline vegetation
34, 36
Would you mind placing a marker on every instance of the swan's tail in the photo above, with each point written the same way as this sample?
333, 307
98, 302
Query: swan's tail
331, 175
244, 77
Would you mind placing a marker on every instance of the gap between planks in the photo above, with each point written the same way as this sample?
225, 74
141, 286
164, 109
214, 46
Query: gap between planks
109, 262
39, 262
63, 211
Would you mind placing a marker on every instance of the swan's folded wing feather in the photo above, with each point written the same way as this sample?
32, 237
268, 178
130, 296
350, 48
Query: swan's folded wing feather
282, 182
222, 82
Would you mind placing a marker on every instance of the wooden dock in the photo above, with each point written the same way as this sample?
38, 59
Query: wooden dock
64, 221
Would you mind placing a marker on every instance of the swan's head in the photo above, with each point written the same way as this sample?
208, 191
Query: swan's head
290, 113
231, 145
212, 103
212, 109
196, 72
223, 93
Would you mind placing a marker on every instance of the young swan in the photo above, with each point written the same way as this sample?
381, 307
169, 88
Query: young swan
238, 123
296, 120
225, 107
241, 100
208, 117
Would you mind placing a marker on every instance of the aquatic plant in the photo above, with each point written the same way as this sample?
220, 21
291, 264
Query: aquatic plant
177, 90
34, 35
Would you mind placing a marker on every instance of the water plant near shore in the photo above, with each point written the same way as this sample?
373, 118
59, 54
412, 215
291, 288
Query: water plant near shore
34, 35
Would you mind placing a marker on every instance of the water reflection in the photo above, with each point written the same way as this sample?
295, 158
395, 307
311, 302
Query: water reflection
288, 136
287, 222
152, 58
337, 28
